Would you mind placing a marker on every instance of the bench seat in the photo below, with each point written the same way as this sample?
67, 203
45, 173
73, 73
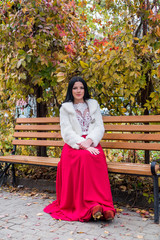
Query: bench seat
113, 167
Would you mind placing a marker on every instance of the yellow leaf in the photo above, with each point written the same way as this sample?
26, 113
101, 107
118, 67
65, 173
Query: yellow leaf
83, 64
22, 76
60, 79
60, 74
136, 38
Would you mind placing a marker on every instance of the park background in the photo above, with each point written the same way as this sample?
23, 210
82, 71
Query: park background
113, 44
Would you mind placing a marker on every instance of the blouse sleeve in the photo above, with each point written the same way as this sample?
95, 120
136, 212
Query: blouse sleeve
68, 134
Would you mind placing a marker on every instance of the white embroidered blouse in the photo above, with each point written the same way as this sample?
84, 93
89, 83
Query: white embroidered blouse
83, 116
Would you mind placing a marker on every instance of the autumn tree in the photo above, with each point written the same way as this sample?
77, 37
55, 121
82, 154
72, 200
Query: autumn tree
35, 37
123, 60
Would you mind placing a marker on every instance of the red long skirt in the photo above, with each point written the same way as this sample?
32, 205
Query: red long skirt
82, 182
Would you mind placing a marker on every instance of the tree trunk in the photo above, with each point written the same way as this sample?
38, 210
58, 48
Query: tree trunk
41, 112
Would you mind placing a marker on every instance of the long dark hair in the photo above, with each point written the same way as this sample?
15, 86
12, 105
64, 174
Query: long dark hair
69, 95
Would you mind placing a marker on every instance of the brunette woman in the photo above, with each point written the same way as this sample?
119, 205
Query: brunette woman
82, 186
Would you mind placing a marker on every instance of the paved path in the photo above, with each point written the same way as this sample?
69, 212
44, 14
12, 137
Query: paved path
22, 217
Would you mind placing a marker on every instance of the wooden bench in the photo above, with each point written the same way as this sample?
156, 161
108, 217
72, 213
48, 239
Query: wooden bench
121, 132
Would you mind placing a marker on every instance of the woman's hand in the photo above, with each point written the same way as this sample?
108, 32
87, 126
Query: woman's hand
85, 144
93, 150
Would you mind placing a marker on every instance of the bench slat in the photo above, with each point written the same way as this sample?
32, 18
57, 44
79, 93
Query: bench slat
108, 145
132, 128
38, 120
111, 119
128, 168
37, 135
116, 128
132, 137
132, 146
43, 161
107, 136
37, 127
131, 119
38, 143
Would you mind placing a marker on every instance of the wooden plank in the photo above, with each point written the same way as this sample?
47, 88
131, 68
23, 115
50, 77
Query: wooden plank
132, 128
107, 119
43, 161
37, 127
130, 168
131, 137
132, 146
131, 119
39, 120
126, 168
38, 143
37, 135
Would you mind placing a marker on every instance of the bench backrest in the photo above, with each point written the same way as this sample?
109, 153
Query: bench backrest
121, 132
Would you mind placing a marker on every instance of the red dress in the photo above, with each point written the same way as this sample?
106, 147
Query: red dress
82, 182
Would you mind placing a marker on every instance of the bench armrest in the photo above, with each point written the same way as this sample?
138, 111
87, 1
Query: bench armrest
155, 166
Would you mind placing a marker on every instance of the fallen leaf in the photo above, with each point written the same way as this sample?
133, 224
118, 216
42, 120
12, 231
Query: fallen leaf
24, 216
144, 219
140, 237
122, 225
39, 214
128, 234
37, 224
29, 204
119, 210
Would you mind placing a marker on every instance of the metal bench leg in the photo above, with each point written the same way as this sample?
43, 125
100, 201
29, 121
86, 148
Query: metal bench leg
156, 199
13, 176
3, 173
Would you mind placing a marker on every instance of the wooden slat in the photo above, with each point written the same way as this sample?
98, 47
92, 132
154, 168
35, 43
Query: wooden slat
132, 146
107, 119
107, 136
131, 137
37, 127
131, 119
38, 143
37, 135
43, 161
131, 168
108, 145
39, 120
126, 168
132, 128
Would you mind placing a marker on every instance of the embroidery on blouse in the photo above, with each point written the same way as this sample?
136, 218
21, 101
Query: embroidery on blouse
83, 116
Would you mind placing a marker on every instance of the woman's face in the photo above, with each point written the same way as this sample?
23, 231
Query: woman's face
78, 92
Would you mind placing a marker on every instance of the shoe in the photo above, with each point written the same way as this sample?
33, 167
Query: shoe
108, 215
97, 212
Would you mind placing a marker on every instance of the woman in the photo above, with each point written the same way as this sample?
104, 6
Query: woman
82, 186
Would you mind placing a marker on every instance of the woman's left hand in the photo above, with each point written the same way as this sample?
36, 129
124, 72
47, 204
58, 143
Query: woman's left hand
93, 150
85, 144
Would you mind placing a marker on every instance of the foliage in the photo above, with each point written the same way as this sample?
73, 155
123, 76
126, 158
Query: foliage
125, 62
114, 45
35, 36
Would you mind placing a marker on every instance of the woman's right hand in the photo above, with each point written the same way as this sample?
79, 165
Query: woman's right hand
93, 150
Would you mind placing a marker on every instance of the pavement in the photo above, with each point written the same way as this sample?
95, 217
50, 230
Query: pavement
22, 217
